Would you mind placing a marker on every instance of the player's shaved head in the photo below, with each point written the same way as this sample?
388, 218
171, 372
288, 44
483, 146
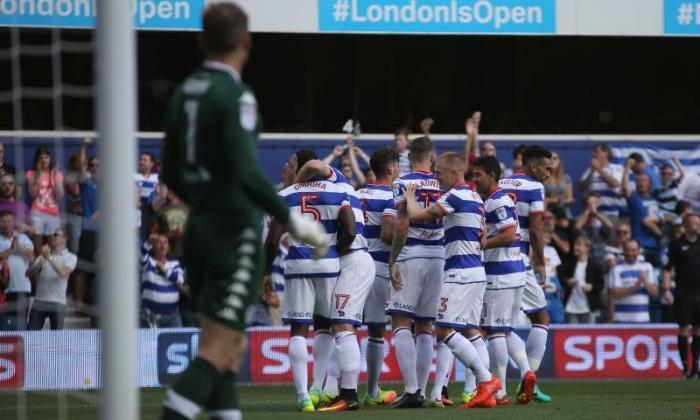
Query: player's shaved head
303, 156
224, 28
420, 149
453, 161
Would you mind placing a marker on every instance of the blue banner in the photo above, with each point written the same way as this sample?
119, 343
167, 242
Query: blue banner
681, 17
148, 14
438, 16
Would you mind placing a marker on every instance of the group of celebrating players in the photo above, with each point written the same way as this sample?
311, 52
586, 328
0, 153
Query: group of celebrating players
449, 249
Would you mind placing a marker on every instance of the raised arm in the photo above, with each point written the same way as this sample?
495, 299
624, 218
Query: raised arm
625, 189
336, 153
681, 170
359, 176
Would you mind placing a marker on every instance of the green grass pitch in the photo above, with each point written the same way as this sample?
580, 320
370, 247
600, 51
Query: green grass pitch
667, 399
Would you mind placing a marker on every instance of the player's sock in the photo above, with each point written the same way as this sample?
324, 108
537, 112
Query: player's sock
536, 345
406, 355
683, 352
333, 374
349, 358
375, 358
469, 381
696, 352
299, 360
516, 350
464, 350
323, 346
223, 403
425, 351
191, 391
480, 346
498, 354
443, 367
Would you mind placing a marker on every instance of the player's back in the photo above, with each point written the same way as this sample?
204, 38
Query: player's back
211, 119
463, 223
424, 240
503, 265
528, 195
321, 201
377, 201
337, 177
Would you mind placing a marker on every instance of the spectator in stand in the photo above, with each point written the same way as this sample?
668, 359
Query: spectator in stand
170, 220
18, 250
583, 281
9, 201
5, 168
559, 189
561, 232
644, 219
683, 257
146, 181
54, 265
631, 285
613, 250
401, 146
349, 166
604, 178
517, 164
74, 209
471, 146
595, 225
639, 166
689, 189
667, 193
552, 287
162, 280
45, 185
87, 248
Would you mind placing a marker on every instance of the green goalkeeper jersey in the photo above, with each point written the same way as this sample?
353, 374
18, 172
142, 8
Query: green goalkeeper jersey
210, 154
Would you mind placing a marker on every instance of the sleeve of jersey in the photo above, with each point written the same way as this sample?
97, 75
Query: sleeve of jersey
390, 209
444, 204
398, 188
613, 278
651, 276
503, 217
241, 149
537, 203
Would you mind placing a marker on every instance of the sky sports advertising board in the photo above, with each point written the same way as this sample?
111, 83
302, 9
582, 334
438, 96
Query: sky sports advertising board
70, 359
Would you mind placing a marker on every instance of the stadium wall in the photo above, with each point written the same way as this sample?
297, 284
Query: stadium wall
68, 360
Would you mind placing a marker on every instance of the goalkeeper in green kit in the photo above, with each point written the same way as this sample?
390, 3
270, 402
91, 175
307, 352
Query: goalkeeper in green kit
210, 161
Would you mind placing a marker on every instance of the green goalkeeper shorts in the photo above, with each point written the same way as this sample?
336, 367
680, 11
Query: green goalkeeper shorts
223, 264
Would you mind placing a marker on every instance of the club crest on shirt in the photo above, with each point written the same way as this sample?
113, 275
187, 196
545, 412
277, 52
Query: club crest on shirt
501, 213
248, 107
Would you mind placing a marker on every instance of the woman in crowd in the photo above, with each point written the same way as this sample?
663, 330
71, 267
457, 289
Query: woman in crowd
559, 190
583, 282
45, 185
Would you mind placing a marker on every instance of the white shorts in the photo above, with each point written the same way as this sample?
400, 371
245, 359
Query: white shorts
533, 295
377, 301
422, 282
306, 297
44, 224
353, 286
501, 307
460, 305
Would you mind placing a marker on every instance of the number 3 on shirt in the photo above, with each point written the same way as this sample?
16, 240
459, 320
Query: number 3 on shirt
306, 208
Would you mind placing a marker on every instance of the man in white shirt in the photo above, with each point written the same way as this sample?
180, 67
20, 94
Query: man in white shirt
631, 285
17, 251
54, 266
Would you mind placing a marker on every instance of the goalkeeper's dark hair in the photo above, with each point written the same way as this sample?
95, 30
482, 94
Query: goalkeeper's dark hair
535, 152
490, 165
381, 159
224, 26
303, 156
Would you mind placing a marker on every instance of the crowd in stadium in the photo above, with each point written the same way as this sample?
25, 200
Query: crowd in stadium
58, 216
